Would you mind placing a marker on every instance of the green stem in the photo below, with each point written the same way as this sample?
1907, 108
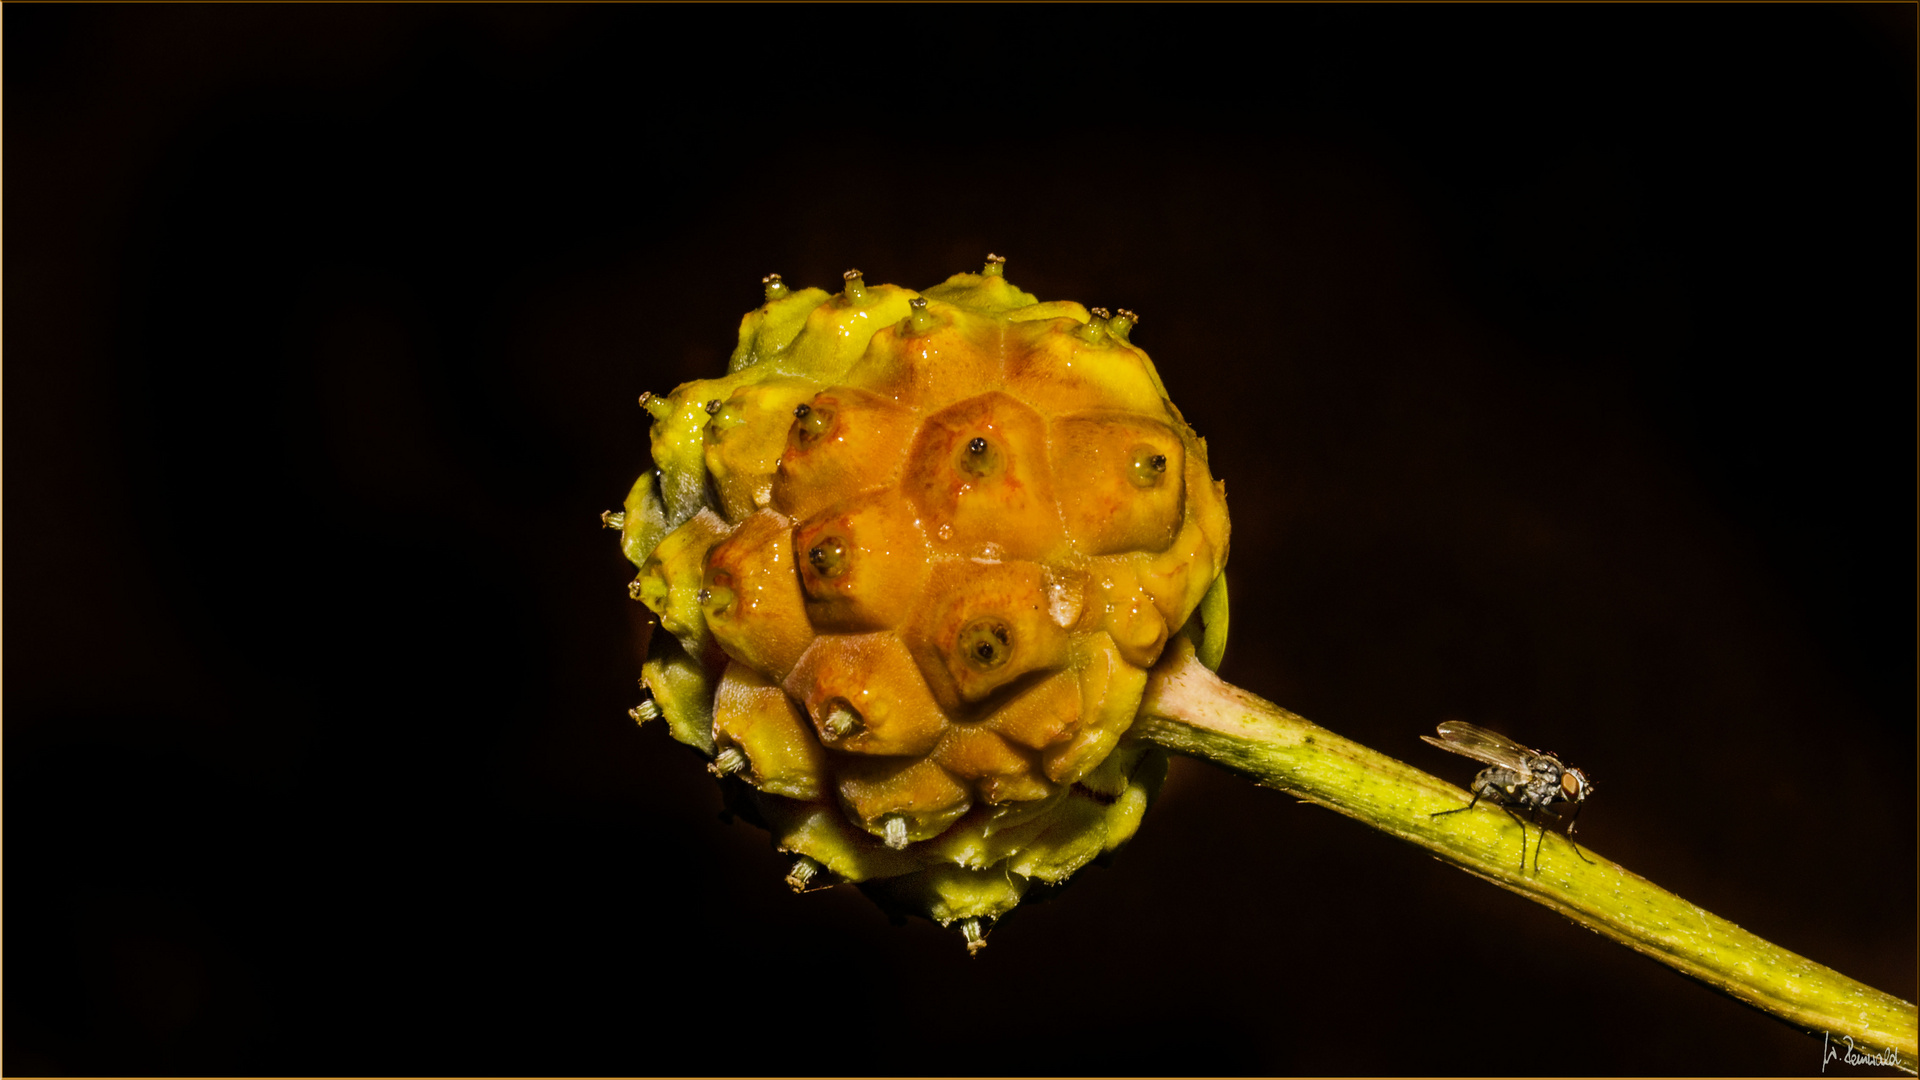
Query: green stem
1191, 711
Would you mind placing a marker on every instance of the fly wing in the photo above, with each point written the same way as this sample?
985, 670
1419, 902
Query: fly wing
1460, 737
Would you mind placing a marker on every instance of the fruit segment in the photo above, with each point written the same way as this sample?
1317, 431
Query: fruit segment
862, 563
758, 718
1120, 482
768, 331
1000, 771
744, 440
680, 690
669, 581
679, 424
1129, 613
984, 626
1110, 690
1178, 577
937, 355
988, 292
1043, 715
902, 801
643, 520
841, 443
1059, 366
865, 696
837, 332
978, 474
751, 596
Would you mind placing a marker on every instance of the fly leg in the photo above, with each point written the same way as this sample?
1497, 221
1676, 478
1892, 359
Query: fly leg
1515, 815
1571, 821
1479, 791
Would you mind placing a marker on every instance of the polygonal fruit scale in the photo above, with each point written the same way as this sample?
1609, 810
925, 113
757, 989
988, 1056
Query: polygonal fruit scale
914, 555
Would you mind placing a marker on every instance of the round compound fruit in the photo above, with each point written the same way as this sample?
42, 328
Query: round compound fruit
913, 557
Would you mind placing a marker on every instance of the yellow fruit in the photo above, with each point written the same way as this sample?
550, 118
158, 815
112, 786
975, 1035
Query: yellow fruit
916, 553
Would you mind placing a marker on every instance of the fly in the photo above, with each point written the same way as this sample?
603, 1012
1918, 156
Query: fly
1516, 778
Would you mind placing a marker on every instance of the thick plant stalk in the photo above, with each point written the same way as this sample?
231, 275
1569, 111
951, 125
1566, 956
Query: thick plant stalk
1191, 711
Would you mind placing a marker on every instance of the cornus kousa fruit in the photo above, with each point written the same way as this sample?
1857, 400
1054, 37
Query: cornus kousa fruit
914, 556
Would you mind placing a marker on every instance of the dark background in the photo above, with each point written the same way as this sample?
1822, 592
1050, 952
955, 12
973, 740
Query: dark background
1558, 362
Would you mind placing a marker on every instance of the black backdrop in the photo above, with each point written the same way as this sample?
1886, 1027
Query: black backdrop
1558, 362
